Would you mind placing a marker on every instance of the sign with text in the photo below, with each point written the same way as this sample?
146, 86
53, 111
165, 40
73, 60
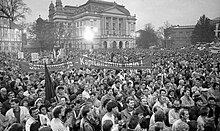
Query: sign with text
88, 63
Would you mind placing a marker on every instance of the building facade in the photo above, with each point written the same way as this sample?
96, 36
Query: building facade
179, 36
216, 23
95, 24
10, 36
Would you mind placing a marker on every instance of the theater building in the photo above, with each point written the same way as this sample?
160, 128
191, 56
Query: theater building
95, 24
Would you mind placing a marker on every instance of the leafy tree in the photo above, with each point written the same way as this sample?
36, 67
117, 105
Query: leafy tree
203, 31
147, 37
43, 34
14, 10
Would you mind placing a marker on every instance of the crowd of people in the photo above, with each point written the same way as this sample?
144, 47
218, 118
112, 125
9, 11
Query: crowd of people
179, 93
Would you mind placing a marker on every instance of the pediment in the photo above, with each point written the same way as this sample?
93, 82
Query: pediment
114, 11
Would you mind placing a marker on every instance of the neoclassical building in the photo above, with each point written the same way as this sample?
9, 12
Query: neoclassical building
95, 24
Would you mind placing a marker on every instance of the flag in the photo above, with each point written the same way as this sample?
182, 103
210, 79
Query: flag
49, 89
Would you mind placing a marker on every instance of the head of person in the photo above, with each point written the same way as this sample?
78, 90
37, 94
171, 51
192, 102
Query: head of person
184, 114
187, 93
198, 101
60, 90
130, 102
15, 103
133, 122
20, 92
177, 104
107, 125
109, 91
112, 107
204, 111
159, 116
42, 94
11, 95
146, 91
144, 101
182, 126
68, 112
93, 95
43, 109
163, 92
105, 103
16, 127
58, 112
162, 99
212, 101
3, 92
38, 102
86, 111
34, 112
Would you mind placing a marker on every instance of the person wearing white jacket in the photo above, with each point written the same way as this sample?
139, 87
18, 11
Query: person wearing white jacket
17, 114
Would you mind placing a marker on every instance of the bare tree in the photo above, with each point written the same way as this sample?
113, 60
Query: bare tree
14, 10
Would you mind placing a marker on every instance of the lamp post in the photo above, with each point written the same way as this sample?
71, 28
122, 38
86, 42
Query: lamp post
89, 34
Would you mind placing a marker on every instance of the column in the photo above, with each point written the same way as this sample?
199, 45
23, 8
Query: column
117, 26
111, 25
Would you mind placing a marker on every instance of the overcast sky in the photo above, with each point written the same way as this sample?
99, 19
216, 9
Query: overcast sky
176, 12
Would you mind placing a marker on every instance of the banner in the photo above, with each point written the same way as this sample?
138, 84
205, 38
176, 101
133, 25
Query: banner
34, 57
20, 55
88, 63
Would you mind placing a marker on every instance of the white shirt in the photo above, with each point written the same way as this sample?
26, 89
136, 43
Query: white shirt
57, 125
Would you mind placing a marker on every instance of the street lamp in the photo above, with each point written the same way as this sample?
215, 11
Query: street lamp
89, 33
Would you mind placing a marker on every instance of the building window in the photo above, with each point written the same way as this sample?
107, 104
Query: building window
107, 26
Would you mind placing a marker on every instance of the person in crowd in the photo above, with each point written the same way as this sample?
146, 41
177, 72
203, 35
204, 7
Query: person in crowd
107, 125
110, 114
173, 114
6, 105
43, 112
17, 114
16, 127
214, 110
144, 110
3, 95
133, 124
3, 120
56, 123
184, 117
85, 124
187, 101
96, 102
20, 96
202, 118
109, 95
159, 122
204, 95
129, 111
34, 122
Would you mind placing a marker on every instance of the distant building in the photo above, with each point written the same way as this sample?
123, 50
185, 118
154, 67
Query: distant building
216, 22
95, 24
179, 36
10, 36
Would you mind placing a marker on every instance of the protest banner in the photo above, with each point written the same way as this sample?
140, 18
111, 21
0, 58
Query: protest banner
20, 55
88, 63
34, 56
